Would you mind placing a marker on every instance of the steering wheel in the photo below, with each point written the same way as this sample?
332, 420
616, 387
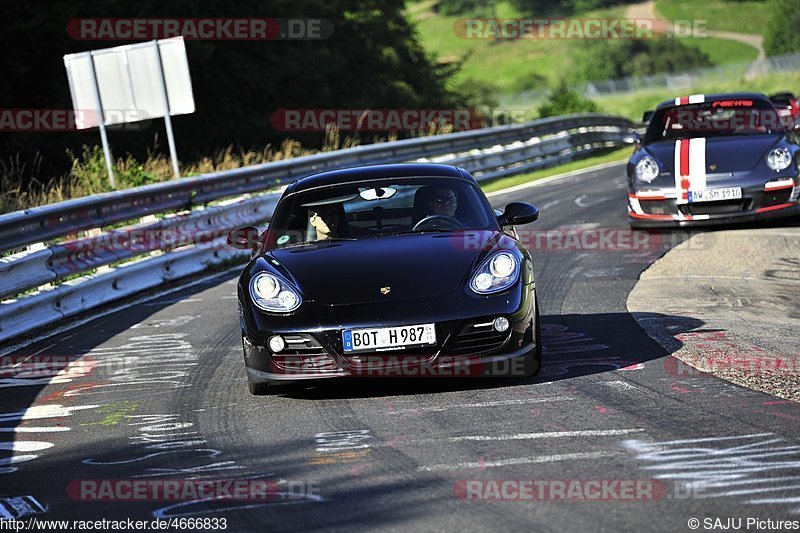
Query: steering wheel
438, 221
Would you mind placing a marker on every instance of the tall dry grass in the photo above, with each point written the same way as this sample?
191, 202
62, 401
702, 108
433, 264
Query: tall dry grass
22, 185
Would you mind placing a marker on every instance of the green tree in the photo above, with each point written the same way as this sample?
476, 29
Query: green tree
782, 35
564, 101
461, 7
563, 8
372, 59
602, 60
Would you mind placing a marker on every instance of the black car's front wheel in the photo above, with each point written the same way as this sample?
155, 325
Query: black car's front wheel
258, 388
532, 367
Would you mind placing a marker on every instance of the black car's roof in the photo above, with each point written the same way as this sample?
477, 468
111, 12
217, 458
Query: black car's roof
346, 175
721, 96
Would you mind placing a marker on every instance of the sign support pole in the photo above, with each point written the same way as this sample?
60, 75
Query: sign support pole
101, 123
167, 120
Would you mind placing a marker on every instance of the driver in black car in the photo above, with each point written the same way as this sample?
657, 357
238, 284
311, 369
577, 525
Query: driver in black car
443, 201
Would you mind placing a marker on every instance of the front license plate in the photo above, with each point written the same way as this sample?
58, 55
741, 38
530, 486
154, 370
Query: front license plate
355, 340
713, 195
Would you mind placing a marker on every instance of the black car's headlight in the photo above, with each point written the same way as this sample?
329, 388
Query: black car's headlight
646, 169
498, 272
779, 159
273, 294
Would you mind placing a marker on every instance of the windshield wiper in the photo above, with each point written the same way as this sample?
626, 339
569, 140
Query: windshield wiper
321, 241
421, 231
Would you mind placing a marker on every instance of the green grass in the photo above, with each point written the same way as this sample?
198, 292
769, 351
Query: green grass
631, 105
746, 16
620, 154
723, 51
526, 64
511, 65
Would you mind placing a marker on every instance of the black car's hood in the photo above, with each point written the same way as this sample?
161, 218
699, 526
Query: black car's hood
724, 154
411, 265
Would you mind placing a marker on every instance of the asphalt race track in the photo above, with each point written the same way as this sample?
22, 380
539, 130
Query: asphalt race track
160, 394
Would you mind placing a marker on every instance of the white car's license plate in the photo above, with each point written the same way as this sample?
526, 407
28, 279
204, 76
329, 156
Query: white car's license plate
713, 195
355, 340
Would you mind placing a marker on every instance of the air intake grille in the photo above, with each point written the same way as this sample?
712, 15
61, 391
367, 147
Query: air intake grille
303, 353
476, 338
723, 207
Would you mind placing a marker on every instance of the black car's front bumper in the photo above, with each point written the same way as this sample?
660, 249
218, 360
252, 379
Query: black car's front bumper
462, 349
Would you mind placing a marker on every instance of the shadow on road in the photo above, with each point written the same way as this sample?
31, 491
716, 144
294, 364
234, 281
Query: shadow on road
573, 346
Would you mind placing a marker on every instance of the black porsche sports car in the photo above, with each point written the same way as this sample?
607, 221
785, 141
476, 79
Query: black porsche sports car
388, 270
707, 159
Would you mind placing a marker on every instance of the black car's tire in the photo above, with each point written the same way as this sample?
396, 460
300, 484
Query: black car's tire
258, 388
535, 365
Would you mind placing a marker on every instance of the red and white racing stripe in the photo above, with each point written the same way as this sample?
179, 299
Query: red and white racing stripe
690, 167
691, 99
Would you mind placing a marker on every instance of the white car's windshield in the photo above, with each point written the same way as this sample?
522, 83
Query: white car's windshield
718, 118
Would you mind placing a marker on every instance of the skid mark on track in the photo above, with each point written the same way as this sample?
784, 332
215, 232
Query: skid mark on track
484, 463
342, 446
754, 466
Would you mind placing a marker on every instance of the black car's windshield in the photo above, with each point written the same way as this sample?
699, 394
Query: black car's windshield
717, 118
379, 208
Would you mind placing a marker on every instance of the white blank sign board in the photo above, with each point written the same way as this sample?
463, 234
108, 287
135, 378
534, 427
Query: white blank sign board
129, 82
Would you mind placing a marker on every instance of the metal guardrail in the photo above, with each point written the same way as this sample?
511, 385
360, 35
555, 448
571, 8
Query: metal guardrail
179, 245
44, 223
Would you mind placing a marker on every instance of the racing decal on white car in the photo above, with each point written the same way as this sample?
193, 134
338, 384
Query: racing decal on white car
690, 167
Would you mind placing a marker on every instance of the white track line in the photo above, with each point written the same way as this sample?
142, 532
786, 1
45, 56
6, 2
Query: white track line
546, 435
518, 436
478, 405
518, 461
542, 181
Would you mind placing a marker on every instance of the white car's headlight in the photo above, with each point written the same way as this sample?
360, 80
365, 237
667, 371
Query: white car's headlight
498, 272
273, 294
779, 159
646, 169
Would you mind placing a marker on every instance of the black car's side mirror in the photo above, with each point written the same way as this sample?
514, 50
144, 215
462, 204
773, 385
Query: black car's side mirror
632, 138
245, 238
518, 213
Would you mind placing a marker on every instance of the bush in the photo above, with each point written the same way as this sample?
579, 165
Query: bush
88, 174
603, 60
564, 101
459, 7
782, 35
540, 8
